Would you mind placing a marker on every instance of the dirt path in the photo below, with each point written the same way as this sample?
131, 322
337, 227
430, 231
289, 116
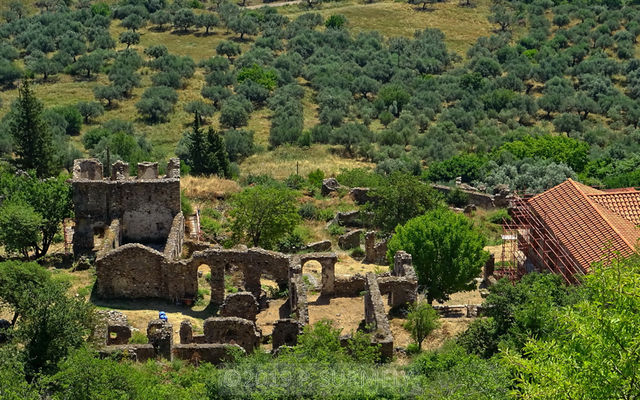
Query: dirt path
277, 4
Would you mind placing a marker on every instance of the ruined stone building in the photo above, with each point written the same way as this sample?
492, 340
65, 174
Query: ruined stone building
135, 228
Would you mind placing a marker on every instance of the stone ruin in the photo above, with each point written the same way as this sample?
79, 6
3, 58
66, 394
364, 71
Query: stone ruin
216, 347
136, 229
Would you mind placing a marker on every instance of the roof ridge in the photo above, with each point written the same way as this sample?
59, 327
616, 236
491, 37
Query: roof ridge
606, 219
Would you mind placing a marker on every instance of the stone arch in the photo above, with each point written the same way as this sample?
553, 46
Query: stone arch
328, 262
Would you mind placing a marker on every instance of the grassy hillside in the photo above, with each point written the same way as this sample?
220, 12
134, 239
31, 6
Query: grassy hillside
462, 26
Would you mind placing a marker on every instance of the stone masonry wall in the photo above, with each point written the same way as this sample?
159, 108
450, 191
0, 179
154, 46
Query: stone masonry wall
376, 317
145, 206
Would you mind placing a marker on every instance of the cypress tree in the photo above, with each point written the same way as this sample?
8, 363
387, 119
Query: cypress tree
31, 135
218, 151
197, 148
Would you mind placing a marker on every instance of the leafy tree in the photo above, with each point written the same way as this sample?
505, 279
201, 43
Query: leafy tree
217, 94
423, 2
262, 215
133, 22
50, 199
351, 134
9, 72
228, 48
502, 16
264, 77
183, 19
157, 103
208, 21
89, 110
398, 198
467, 166
89, 63
19, 228
199, 108
72, 117
421, 321
239, 144
31, 136
51, 322
43, 65
160, 18
245, 24
592, 353
129, 38
447, 251
233, 114
108, 93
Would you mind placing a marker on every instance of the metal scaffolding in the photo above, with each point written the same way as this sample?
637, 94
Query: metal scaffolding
528, 244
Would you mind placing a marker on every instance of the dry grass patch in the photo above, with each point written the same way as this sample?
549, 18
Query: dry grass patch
461, 25
283, 161
208, 187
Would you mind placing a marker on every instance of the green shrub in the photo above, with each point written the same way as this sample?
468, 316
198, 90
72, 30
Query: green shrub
291, 243
324, 214
185, 204
336, 230
499, 216
308, 210
211, 213
138, 337
210, 227
315, 178
295, 182
457, 198
359, 177
357, 252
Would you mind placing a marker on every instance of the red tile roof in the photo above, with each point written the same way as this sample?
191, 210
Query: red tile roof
589, 222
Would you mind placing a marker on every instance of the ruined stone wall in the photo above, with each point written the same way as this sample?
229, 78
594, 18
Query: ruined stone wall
137, 271
298, 299
232, 330
145, 206
328, 263
285, 333
376, 317
374, 252
478, 198
350, 286
111, 239
173, 246
214, 353
241, 305
253, 263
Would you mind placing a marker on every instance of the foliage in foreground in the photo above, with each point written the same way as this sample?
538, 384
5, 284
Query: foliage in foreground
595, 352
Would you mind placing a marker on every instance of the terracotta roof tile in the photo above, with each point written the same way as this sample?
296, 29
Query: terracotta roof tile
585, 227
625, 204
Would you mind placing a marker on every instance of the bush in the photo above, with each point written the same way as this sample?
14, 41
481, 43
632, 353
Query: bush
185, 204
421, 321
357, 252
457, 198
308, 211
499, 217
315, 178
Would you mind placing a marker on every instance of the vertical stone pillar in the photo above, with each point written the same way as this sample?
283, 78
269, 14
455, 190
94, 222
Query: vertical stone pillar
401, 259
148, 170
82, 237
119, 170
160, 335
252, 282
217, 284
186, 332
328, 276
489, 266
